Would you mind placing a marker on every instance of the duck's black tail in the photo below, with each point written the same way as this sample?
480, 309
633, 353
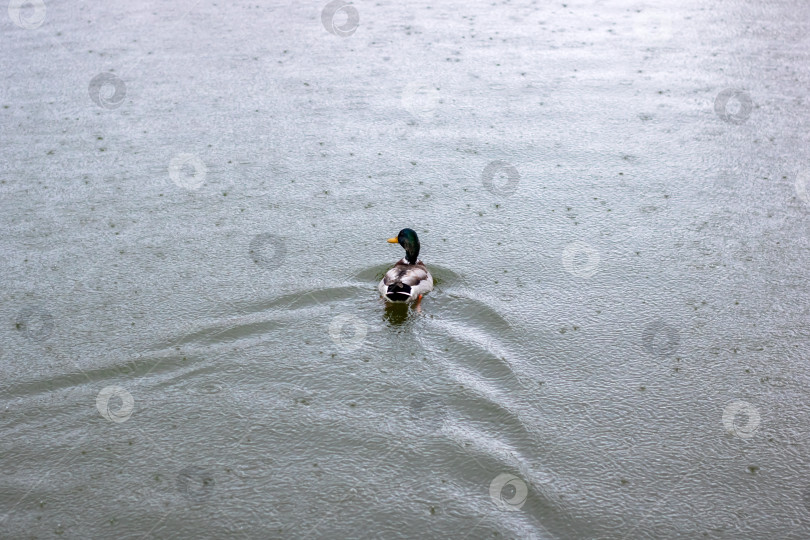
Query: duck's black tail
398, 292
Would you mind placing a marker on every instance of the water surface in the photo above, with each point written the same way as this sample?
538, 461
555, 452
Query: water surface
193, 344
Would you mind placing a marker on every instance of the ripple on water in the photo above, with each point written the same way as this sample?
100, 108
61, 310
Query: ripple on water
209, 388
441, 275
465, 337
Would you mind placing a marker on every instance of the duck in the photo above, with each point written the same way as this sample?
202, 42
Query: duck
409, 279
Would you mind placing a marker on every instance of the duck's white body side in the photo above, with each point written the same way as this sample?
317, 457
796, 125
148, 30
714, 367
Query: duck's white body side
405, 282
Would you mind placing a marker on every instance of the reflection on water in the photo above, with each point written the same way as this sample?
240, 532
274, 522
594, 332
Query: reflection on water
397, 314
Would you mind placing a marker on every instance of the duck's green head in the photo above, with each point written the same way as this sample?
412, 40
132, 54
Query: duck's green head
407, 238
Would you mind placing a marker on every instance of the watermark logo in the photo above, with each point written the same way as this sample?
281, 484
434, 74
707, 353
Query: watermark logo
28, 14
507, 175
107, 90
508, 492
187, 171
733, 105
730, 414
660, 338
35, 323
420, 99
347, 343
580, 259
267, 250
195, 483
332, 14
123, 412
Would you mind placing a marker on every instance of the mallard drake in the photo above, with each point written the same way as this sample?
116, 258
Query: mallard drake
409, 279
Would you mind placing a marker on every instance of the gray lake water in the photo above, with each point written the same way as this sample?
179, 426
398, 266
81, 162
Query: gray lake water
614, 198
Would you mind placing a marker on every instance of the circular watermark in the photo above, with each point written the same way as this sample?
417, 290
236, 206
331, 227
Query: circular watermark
736, 408
660, 338
733, 105
336, 332
267, 250
187, 171
195, 483
107, 90
580, 259
124, 411
427, 409
508, 492
421, 99
28, 14
333, 12
801, 184
35, 322
508, 178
